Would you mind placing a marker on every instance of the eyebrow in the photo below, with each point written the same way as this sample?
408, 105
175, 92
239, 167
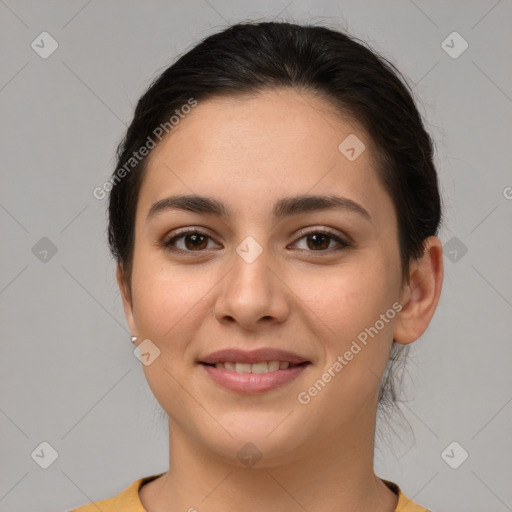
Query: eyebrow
284, 207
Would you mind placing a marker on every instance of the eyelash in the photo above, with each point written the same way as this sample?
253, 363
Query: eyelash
168, 242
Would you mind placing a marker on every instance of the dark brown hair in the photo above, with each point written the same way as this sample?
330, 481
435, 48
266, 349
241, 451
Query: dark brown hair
247, 58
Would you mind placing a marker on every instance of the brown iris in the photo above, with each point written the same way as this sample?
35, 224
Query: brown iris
198, 241
317, 237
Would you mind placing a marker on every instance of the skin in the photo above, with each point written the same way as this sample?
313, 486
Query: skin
249, 152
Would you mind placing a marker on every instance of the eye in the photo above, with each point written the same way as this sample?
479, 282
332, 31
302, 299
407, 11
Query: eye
193, 241
319, 241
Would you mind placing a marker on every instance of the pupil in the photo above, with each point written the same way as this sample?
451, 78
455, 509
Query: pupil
197, 240
317, 237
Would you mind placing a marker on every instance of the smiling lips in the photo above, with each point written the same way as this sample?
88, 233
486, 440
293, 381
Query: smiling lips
253, 371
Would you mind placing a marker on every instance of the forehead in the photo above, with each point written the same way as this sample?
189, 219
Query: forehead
258, 147
287, 121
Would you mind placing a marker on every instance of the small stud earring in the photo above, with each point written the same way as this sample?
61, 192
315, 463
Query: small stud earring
134, 339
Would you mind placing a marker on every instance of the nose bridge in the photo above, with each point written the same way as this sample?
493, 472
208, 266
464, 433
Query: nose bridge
250, 268
250, 250
251, 291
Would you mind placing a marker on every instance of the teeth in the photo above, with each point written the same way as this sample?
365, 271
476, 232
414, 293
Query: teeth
242, 368
273, 366
258, 367
262, 367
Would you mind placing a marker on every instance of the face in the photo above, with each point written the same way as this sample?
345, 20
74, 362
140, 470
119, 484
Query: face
309, 281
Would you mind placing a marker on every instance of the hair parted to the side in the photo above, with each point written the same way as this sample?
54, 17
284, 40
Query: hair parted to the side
250, 57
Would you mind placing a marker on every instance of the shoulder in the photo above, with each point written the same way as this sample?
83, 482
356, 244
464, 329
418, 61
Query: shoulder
127, 500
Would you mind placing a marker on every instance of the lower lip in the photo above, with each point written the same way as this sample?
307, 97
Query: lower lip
253, 383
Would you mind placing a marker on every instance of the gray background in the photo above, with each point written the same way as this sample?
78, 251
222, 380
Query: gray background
68, 374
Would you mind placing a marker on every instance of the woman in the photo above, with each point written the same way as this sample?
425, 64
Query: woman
273, 216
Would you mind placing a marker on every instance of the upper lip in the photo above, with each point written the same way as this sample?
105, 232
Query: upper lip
252, 356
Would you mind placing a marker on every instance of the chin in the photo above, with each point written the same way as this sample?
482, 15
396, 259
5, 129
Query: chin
252, 444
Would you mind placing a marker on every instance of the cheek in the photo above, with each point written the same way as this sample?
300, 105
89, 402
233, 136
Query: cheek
170, 300
348, 322
341, 302
170, 306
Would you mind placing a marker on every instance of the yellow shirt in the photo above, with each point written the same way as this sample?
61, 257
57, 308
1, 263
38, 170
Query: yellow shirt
128, 500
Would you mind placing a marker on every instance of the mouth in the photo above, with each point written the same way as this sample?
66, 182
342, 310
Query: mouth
254, 378
253, 372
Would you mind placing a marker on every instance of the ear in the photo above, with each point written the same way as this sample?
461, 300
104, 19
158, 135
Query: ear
127, 299
420, 296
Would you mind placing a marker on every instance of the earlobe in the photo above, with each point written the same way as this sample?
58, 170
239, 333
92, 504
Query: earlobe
126, 297
421, 295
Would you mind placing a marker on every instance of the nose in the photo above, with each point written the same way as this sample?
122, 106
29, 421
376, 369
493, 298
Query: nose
253, 293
